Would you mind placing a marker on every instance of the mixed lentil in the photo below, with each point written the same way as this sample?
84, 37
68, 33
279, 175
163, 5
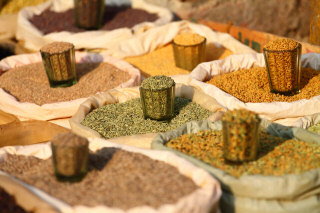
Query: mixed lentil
114, 17
8, 203
276, 156
161, 61
29, 83
251, 85
116, 178
122, 119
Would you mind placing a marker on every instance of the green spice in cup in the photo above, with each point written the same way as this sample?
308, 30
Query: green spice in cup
189, 50
59, 62
157, 97
240, 135
88, 13
70, 157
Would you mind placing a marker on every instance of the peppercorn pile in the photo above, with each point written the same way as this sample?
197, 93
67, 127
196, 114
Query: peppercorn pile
8, 203
276, 156
122, 119
251, 85
114, 17
116, 178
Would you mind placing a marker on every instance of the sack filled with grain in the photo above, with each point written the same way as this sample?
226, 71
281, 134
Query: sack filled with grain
283, 179
26, 93
241, 81
121, 179
54, 21
118, 116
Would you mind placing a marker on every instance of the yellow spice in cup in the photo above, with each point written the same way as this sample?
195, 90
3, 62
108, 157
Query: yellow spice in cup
188, 39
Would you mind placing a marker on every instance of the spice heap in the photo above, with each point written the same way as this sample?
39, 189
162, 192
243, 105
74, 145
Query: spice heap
187, 39
117, 178
8, 203
157, 97
277, 156
161, 61
283, 65
240, 135
114, 17
315, 128
251, 85
121, 119
29, 83
70, 156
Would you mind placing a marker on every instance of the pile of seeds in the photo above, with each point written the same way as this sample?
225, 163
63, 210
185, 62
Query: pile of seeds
157, 83
114, 17
29, 83
188, 39
315, 128
8, 203
276, 156
122, 119
117, 178
251, 85
161, 61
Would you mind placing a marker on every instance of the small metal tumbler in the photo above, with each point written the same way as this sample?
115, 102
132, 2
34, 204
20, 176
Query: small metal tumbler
284, 70
59, 64
89, 13
158, 104
189, 56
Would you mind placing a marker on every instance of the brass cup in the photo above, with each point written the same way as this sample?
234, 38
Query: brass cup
88, 13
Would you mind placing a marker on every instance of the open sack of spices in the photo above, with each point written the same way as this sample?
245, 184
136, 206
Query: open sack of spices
153, 51
120, 116
242, 81
114, 178
27, 91
109, 22
262, 167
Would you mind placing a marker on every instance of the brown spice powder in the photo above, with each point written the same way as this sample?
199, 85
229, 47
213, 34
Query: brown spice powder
251, 85
117, 178
29, 83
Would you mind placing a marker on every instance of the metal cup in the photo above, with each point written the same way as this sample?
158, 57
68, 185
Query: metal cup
89, 13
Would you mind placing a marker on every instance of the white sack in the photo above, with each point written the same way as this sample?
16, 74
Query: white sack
57, 110
285, 113
34, 38
202, 200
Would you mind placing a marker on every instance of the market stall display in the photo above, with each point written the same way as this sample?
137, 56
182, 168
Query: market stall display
260, 185
120, 179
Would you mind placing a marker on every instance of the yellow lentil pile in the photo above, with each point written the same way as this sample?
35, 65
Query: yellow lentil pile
251, 85
276, 156
188, 39
282, 65
161, 61
13, 6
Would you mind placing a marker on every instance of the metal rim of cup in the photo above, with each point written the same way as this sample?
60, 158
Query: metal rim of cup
157, 90
280, 51
60, 52
191, 45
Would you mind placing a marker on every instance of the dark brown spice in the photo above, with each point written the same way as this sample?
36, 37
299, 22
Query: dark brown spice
114, 17
116, 178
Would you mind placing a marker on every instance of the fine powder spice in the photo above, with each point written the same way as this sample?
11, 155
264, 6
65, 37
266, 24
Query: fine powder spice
8, 203
161, 61
29, 83
188, 39
251, 85
116, 178
122, 119
276, 156
114, 17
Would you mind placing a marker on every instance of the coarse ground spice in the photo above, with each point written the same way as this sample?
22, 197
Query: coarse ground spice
188, 39
276, 156
57, 47
29, 83
251, 85
315, 128
161, 61
122, 119
8, 203
282, 44
114, 17
117, 178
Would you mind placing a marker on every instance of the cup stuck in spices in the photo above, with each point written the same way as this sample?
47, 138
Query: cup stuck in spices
70, 155
189, 50
59, 62
88, 13
283, 64
240, 135
157, 97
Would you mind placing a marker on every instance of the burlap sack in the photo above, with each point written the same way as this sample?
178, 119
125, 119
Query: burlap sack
204, 199
257, 193
34, 39
285, 113
123, 95
66, 109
